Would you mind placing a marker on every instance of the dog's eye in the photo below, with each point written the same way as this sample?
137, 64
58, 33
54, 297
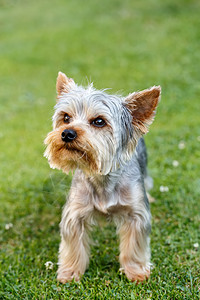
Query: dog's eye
98, 122
66, 118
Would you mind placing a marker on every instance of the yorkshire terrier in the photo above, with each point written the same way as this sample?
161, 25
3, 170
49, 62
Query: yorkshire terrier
100, 137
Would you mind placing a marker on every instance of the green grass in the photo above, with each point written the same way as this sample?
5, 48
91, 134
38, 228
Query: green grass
127, 45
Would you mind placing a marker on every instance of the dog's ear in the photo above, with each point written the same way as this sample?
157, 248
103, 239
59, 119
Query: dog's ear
63, 84
142, 106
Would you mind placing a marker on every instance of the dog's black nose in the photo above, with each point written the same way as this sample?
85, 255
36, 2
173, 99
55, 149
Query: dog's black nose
68, 135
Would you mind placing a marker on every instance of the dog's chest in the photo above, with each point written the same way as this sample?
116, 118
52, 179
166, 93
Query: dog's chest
105, 203
110, 202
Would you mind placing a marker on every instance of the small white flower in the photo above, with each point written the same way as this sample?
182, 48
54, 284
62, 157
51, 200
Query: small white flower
49, 265
181, 145
8, 226
121, 270
196, 245
164, 189
175, 163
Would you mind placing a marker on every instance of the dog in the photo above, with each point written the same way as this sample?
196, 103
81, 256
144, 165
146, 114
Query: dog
100, 137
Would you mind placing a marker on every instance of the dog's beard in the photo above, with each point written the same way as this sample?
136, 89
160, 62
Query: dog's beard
69, 156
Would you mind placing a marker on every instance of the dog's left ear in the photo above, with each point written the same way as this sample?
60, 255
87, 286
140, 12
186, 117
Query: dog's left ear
142, 106
63, 84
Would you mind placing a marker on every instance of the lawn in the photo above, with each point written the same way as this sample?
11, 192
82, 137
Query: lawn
127, 46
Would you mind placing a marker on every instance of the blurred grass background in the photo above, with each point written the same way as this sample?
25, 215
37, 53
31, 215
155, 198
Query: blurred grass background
127, 46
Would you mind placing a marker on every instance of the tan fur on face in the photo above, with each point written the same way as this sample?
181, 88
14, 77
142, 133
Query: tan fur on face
67, 156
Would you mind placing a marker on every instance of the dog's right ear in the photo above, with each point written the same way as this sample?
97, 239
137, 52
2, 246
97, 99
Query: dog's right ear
63, 84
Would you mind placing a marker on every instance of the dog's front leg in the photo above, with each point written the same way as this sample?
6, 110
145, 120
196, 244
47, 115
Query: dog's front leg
74, 248
134, 245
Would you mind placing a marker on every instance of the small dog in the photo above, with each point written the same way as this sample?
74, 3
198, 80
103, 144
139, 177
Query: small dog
100, 136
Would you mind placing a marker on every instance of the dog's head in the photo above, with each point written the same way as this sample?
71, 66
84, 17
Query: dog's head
95, 131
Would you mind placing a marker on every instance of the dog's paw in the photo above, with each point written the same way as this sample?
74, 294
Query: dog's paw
135, 273
66, 275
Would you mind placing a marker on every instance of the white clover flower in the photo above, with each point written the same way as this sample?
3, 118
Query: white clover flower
175, 163
121, 271
164, 189
181, 145
8, 226
196, 245
49, 265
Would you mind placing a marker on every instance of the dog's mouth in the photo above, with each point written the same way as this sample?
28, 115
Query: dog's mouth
80, 156
69, 156
75, 151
